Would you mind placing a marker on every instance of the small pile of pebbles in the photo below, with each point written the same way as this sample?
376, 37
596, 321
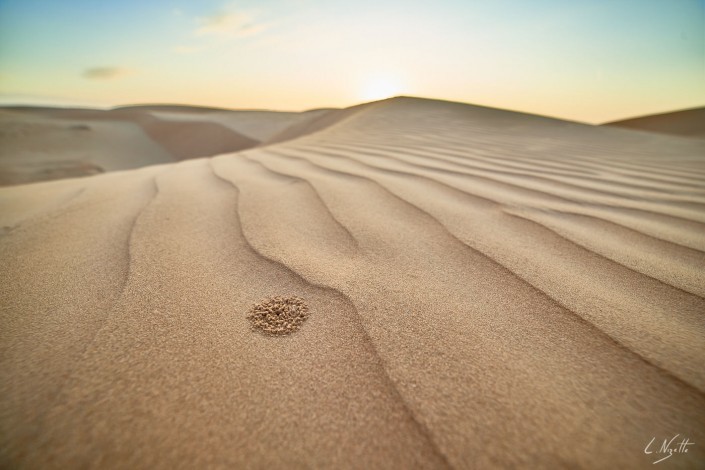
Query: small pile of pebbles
278, 316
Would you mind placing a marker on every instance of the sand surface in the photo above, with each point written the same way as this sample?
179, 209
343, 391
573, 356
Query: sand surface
486, 289
41, 144
687, 123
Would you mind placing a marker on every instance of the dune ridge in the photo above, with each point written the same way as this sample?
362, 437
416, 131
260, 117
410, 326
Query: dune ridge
486, 289
687, 123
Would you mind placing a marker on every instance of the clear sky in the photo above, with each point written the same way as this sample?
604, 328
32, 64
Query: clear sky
587, 60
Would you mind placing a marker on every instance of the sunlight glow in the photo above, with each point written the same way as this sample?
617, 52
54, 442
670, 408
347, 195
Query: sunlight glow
379, 88
294, 55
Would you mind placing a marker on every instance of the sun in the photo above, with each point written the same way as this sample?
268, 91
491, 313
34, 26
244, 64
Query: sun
379, 88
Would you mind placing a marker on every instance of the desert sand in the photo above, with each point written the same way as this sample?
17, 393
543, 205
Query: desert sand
485, 289
687, 123
41, 143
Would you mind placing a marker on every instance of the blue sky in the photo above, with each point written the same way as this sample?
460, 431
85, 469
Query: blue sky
585, 60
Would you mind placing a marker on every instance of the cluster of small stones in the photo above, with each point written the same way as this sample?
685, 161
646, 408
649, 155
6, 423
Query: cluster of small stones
278, 316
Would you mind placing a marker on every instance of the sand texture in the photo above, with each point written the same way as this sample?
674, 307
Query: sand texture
485, 289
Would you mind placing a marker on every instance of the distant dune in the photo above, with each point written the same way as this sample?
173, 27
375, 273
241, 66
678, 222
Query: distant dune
178, 108
38, 144
482, 289
44, 143
687, 123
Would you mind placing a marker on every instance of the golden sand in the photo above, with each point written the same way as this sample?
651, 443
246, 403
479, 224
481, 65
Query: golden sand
489, 290
278, 316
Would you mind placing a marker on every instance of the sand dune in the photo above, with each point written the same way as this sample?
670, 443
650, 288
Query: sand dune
258, 125
36, 146
687, 123
39, 144
486, 289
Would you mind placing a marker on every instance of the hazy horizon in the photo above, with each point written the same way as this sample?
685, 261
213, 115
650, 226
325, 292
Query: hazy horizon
595, 62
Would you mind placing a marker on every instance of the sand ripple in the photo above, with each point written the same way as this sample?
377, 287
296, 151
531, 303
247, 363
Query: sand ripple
490, 289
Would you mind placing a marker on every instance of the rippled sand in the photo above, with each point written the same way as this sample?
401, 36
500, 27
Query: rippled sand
485, 288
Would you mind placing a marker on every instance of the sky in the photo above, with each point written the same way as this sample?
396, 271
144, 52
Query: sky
590, 61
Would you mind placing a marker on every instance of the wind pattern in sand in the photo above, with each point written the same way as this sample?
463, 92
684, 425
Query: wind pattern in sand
484, 287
